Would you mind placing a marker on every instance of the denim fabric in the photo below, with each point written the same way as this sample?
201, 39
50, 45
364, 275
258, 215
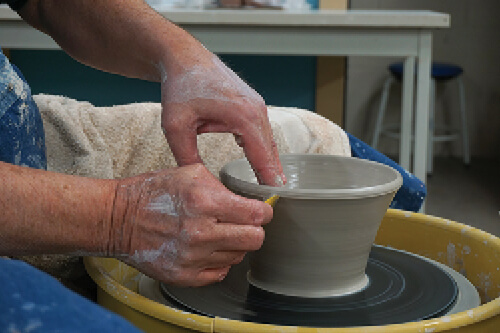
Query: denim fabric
411, 194
30, 300
22, 140
33, 301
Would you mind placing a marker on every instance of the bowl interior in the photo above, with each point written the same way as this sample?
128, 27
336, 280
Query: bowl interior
316, 176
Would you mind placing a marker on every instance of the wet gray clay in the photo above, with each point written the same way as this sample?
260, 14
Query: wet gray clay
324, 223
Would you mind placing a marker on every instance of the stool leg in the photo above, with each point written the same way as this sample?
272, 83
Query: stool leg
430, 136
463, 120
407, 109
381, 111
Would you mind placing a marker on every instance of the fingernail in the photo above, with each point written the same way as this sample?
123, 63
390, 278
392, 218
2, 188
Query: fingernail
278, 180
258, 216
283, 178
222, 276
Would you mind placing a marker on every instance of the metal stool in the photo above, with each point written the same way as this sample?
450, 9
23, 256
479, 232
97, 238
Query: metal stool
439, 73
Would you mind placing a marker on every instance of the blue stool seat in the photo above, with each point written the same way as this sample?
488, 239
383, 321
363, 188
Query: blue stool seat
439, 71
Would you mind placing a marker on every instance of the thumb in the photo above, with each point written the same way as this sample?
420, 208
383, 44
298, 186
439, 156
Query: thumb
181, 135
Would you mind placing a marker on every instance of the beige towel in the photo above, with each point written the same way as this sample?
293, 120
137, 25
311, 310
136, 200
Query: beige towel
121, 141
125, 140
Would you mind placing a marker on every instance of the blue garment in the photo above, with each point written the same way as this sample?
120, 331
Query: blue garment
22, 140
412, 193
30, 300
33, 301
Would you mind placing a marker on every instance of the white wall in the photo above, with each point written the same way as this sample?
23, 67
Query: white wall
472, 41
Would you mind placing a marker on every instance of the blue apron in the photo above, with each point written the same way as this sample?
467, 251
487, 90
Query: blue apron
22, 140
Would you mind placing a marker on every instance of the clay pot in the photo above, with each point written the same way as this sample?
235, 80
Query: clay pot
324, 223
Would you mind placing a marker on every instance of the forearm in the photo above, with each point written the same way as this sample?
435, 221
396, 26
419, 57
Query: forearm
120, 36
201, 94
45, 212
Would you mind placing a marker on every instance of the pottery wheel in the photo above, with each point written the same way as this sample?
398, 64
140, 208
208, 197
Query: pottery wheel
403, 288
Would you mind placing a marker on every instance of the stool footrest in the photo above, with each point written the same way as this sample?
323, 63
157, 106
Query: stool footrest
392, 131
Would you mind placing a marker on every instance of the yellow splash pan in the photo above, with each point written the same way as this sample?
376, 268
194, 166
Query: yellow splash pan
472, 252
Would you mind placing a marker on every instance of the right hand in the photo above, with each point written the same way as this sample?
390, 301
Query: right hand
183, 227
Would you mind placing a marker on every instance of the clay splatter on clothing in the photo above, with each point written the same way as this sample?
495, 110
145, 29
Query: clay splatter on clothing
22, 140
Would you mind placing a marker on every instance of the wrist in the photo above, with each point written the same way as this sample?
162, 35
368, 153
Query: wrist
101, 210
180, 53
119, 231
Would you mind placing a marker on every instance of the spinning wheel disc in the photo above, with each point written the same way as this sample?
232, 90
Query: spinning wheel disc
402, 288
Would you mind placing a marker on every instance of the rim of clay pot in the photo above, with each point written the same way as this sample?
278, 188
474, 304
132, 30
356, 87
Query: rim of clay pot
235, 174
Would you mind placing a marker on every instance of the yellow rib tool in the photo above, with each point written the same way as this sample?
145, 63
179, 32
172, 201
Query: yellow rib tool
271, 201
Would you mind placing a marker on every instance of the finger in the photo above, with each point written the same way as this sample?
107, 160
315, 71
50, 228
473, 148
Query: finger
200, 259
228, 207
181, 135
260, 150
231, 237
277, 158
281, 179
224, 258
211, 275
200, 277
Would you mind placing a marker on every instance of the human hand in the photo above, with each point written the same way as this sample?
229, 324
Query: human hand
183, 227
201, 96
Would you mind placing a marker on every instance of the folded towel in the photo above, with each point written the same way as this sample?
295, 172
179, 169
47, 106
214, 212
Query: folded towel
125, 140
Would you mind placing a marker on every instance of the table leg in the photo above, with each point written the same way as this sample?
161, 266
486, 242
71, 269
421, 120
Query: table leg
422, 108
407, 113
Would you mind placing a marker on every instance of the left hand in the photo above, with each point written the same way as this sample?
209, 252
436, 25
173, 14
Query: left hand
206, 96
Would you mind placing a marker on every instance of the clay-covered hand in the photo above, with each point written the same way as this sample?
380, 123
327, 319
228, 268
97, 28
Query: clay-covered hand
183, 227
199, 95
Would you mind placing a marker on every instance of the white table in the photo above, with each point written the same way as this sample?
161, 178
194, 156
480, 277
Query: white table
406, 34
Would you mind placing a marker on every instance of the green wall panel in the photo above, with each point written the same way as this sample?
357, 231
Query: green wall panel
282, 81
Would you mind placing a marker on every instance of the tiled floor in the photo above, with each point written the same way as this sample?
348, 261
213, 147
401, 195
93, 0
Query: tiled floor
470, 195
